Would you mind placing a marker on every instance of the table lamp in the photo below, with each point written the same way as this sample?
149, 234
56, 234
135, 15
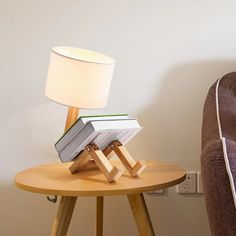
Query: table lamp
80, 78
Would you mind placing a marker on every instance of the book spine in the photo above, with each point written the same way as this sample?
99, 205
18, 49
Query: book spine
69, 135
76, 144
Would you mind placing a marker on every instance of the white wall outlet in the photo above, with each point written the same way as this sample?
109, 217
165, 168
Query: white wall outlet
199, 182
188, 185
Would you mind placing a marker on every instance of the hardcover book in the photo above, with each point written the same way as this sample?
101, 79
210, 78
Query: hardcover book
100, 130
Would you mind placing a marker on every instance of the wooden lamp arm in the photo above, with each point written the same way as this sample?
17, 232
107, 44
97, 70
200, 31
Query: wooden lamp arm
72, 116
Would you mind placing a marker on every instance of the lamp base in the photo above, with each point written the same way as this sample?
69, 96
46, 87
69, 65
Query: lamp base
101, 161
93, 158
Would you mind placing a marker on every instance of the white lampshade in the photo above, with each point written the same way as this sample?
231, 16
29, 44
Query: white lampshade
79, 77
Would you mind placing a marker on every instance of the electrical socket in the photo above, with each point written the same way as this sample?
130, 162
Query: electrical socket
199, 183
189, 184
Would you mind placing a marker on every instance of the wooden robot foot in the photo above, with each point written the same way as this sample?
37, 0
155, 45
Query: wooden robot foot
138, 168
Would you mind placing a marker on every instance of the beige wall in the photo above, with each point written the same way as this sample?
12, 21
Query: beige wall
168, 53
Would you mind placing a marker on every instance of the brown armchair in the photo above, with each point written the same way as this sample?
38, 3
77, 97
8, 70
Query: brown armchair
218, 157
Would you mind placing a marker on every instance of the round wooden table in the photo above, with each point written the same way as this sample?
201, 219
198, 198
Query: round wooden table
55, 179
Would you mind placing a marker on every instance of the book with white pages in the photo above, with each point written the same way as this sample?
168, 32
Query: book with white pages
101, 133
81, 121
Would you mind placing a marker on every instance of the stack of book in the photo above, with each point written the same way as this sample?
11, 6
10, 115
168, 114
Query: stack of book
100, 130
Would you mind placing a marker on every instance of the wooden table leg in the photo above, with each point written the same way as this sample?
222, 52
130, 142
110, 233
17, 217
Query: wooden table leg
141, 215
63, 217
99, 217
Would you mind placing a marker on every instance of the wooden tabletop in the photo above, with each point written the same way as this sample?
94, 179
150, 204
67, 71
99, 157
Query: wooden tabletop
55, 179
